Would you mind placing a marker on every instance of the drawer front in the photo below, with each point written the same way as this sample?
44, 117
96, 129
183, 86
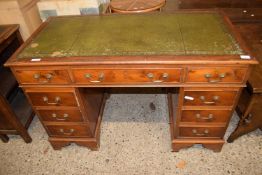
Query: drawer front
53, 98
209, 116
122, 76
42, 76
216, 75
61, 115
209, 98
201, 131
68, 130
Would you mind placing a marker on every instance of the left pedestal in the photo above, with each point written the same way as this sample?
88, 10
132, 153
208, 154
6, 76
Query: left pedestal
69, 115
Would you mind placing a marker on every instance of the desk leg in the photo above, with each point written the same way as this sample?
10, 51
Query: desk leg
91, 143
214, 145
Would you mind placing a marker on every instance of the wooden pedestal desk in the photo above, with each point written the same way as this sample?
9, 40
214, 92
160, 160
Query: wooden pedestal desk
67, 64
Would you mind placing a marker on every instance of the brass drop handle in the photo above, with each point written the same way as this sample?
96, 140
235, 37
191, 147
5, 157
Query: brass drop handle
203, 99
209, 117
65, 117
162, 78
205, 133
219, 79
100, 78
36, 76
57, 100
47, 77
70, 131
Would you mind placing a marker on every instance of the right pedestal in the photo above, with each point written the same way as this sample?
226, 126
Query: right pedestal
201, 116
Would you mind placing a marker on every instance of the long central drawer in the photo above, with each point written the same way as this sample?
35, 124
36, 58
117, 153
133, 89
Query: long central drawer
126, 76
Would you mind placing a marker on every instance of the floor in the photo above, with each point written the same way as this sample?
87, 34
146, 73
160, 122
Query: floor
135, 139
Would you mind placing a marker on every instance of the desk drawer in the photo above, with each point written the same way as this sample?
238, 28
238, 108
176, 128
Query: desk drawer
201, 131
69, 130
209, 98
125, 76
208, 116
42, 76
61, 115
52, 98
216, 75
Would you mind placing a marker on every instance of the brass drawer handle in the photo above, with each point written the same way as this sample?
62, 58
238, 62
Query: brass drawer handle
205, 133
209, 117
70, 131
100, 78
219, 79
215, 99
65, 117
57, 100
47, 77
162, 78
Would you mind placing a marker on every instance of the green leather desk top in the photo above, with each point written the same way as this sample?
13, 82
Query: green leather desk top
147, 34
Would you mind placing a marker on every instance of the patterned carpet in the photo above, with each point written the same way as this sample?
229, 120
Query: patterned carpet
135, 139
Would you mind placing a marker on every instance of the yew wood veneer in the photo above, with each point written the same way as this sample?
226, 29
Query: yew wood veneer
67, 64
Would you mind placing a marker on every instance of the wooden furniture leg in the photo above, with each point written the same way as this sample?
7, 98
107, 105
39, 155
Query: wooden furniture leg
215, 147
91, 143
212, 144
13, 119
4, 138
24, 134
177, 146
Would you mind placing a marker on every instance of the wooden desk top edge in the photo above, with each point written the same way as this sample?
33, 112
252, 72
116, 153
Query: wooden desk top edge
10, 28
